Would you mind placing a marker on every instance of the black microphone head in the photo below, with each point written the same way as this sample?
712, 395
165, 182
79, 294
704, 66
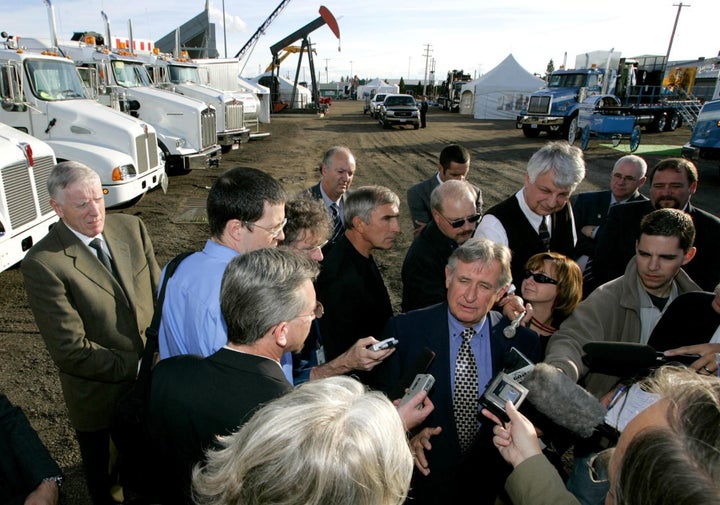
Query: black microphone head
623, 359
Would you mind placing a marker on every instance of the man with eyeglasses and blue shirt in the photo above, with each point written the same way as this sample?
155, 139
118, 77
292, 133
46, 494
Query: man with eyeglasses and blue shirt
456, 209
246, 211
539, 217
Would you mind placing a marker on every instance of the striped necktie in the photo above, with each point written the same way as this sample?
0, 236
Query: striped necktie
338, 227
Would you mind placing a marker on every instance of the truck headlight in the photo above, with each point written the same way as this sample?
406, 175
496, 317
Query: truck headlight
123, 172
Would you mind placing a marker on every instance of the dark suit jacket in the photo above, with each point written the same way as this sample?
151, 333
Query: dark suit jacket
93, 325
194, 398
453, 476
616, 244
591, 209
423, 270
24, 460
688, 320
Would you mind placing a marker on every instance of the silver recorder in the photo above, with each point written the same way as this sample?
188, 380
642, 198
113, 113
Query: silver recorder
503, 388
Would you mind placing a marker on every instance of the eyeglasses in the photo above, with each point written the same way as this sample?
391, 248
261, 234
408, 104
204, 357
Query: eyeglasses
599, 464
317, 312
626, 178
457, 223
540, 278
274, 232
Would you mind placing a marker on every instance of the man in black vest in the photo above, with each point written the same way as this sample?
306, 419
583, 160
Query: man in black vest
538, 217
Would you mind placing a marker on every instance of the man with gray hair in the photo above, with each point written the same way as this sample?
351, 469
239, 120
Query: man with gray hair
454, 455
592, 207
268, 301
350, 285
539, 217
91, 284
455, 213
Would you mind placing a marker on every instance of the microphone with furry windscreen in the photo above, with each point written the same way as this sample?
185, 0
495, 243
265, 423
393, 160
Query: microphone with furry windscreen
562, 401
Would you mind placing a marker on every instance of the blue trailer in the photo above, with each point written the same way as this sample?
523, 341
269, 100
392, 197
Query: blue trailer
606, 118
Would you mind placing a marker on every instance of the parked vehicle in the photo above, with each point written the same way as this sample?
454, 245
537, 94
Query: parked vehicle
604, 117
449, 97
705, 140
374, 103
42, 95
399, 110
181, 76
186, 127
636, 82
25, 212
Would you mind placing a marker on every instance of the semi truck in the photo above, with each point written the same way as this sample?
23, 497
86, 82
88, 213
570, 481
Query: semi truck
449, 97
181, 75
186, 127
43, 96
705, 140
637, 83
25, 212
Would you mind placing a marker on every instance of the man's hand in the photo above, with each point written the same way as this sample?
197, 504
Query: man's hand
416, 410
705, 364
516, 440
47, 493
421, 443
357, 357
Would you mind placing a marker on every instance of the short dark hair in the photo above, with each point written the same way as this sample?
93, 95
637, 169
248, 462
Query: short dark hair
240, 193
680, 165
670, 223
454, 153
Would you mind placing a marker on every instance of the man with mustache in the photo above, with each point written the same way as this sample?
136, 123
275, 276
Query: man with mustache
673, 181
539, 217
455, 213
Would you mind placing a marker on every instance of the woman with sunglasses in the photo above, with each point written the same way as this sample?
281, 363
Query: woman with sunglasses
553, 286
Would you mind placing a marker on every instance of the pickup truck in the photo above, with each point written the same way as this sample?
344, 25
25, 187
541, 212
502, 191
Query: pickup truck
399, 110
371, 105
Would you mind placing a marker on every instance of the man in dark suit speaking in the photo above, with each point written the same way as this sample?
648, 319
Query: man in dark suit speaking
91, 285
454, 453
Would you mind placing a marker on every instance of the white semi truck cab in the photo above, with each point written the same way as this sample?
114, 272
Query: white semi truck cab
42, 95
185, 127
233, 110
25, 212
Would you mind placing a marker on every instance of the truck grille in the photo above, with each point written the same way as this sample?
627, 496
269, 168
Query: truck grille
146, 147
208, 123
17, 185
233, 116
539, 105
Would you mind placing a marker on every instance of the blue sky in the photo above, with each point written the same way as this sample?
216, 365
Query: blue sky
389, 39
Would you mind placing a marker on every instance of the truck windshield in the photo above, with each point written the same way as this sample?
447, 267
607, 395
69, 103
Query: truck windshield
179, 75
54, 80
130, 74
567, 80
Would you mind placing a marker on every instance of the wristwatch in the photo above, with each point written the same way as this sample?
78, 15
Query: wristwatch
57, 479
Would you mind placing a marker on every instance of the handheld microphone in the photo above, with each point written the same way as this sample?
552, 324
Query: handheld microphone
556, 396
509, 331
626, 359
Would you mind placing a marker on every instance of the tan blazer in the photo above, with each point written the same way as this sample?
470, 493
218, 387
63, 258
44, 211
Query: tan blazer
93, 325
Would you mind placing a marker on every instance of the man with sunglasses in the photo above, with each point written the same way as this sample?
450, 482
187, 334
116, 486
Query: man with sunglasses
246, 211
456, 209
591, 210
538, 218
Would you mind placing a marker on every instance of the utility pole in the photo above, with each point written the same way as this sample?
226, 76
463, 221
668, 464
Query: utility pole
224, 31
326, 70
427, 53
672, 36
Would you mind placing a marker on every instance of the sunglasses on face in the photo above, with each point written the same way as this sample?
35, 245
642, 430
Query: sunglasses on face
458, 223
540, 278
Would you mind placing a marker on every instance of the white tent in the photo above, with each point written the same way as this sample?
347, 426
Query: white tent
263, 94
303, 96
501, 93
376, 86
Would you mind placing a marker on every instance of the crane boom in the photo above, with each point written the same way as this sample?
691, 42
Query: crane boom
261, 30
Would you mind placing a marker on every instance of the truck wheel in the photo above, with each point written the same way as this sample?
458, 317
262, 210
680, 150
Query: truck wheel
673, 123
416, 126
529, 132
634, 138
659, 124
571, 131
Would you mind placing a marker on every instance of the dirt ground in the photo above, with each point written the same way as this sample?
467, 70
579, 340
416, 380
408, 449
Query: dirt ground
395, 158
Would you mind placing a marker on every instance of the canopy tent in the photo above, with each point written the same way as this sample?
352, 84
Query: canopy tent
303, 95
501, 93
375, 86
